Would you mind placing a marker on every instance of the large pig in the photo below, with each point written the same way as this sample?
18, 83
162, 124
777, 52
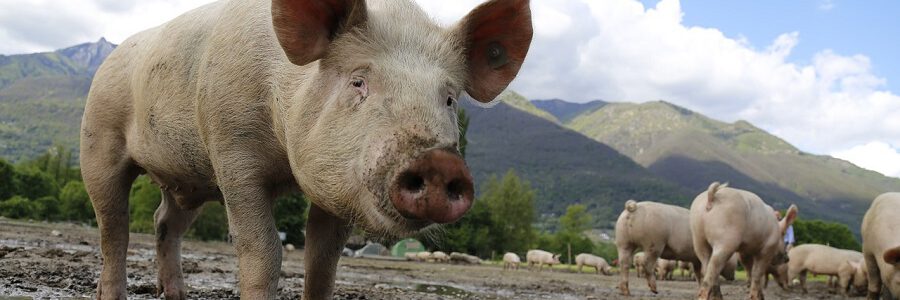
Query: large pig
352, 103
587, 259
881, 244
540, 258
725, 221
660, 230
511, 261
665, 268
847, 265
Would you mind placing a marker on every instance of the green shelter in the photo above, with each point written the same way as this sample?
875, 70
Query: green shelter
408, 245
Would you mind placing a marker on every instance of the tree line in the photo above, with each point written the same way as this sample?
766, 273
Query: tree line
49, 188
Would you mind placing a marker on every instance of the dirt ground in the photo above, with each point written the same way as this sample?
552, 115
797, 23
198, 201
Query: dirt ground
36, 264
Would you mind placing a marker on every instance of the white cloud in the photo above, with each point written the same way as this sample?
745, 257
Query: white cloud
45, 25
617, 50
876, 156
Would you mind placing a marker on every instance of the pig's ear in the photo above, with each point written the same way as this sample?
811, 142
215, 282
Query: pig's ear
789, 218
496, 37
892, 256
305, 28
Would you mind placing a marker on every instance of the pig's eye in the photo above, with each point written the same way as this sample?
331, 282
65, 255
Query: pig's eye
359, 84
449, 100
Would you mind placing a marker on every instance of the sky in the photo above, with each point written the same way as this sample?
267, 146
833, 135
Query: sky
822, 74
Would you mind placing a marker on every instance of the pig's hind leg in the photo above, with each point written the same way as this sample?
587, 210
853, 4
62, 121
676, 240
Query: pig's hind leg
171, 223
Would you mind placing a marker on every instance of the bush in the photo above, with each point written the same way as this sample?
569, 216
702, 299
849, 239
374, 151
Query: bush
211, 224
19, 207
8, 186
75, 203
48, 209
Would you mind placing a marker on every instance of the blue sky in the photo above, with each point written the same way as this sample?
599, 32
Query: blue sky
871, 28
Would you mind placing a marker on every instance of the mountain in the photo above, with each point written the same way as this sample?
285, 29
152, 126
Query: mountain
565, 167
693, 150
42, 97
566, 111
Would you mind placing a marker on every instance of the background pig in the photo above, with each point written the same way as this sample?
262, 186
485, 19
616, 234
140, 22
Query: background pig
826, 260
541, 258
881, 244
440, 257
462, 258
687, 269
424, 256
640, 261
660, 230
511, 261
665, 268
587, 259
730, 267
238, 101
725, 221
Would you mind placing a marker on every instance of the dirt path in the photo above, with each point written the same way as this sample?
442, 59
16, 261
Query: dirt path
35, 263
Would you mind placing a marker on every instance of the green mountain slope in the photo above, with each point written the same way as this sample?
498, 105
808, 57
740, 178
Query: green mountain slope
564, 166
566, 111
42, 98
694, 150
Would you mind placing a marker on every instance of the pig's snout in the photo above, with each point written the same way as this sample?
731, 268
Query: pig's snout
436, 187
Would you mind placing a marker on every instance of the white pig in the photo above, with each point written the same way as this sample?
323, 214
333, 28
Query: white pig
352, 102
826, 260
725, 221
540, 258
440, 257
511, 261
881, 244
665, 268
587, 259
660, 230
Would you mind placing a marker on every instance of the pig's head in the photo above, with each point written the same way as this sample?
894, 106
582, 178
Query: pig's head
860, 278
555, 259
783, 224
371, 129
892, 280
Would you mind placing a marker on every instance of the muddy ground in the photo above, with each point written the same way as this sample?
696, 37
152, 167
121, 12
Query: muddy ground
35, 263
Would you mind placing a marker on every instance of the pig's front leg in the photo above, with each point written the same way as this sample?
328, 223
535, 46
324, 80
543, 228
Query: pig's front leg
325, 238
255, 239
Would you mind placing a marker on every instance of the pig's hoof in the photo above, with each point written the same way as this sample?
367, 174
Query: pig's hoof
110, 293
623, 288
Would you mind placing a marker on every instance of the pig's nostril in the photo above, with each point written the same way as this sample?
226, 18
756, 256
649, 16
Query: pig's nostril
456, 189
411, 182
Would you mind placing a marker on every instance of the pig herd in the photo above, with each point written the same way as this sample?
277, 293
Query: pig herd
726, 225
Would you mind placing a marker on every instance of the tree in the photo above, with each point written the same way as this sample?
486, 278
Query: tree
8, 186
511, 203
571, 233
825, 233
576, 220
33, 183
290, 217
75, 203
